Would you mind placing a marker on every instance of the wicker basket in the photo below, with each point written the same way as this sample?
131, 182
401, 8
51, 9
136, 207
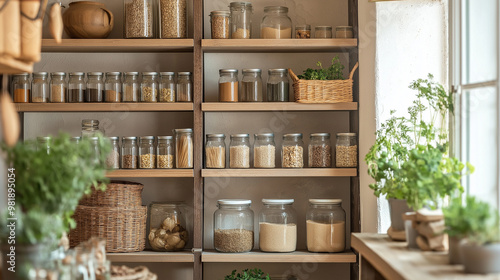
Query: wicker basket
117, 194
323, 91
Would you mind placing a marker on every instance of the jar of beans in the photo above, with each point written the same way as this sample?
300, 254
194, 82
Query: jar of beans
239, 151
149, 87
215, 151
292, 151
264, 151
320, 150
165, 152
346, 150
21, 88
129, 152
147, 152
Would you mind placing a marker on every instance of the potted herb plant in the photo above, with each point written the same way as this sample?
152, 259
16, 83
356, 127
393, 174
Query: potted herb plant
248, 274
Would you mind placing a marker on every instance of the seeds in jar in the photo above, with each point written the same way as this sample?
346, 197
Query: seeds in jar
173, 18
165, 161
148, 94
113, 159
167, 95
130, 93
21, 95
233, 240
264, 156
76, 95
220, 27
293, 157
112, 96
241, 33
58, 93
302, 34
93, 95
139, 19
170, 236
346, 156
277, 237
320, 156
228, 92
239, 156
147, 161
323, 237
129, 162
215, 157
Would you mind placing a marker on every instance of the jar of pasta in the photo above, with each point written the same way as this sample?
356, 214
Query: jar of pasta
215, 151
167, 87
147, 153
165, 152
184, 148
239, 151
149, 87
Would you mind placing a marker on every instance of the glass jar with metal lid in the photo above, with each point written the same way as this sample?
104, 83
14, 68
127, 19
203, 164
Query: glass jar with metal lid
233, 226
173, 19
219, 21
95, 87
276, 24
58, 87
76, 85
228, 85
21, 87
251, 86
344, 32
43, 143
346, 150
239, 151
323, 32
165, 152
303, 31
278, 226
278, 85
292, 151
147, 153
167, 226
129, 152
325, 226
76, 139
184, 91
167, 87
241, 20
90, 128
320, 150
40, 92
113, 159
149, 87
264, 151
215, 151
184, 148
138, 19
131, 87
113, 87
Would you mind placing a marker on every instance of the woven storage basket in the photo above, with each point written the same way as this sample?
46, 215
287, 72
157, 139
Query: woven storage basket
117, 194
323, 91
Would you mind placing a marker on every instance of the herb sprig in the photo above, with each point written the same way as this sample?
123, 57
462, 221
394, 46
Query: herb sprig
334, 72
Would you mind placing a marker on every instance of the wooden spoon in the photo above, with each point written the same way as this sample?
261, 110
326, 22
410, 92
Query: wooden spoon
56, 22
9, 116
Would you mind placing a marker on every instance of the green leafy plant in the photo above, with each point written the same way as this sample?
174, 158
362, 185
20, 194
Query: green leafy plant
334, 72
248, 274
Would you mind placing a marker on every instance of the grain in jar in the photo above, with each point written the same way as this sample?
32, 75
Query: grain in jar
276, 24
241, 20
233, 226
138, 19
320, 150
21, 88
183, 148
113, 159
264, 151
165, 152
167, 87
184, 91
149, 87
95, 87
344, 32
325, 226
251, 86
278, 226
292, 151
76, 87
173, 19
129, 152
113, 87
58, 88
323, 32
219, 21
303, 31
346, 150
40, 92
215, 151
228, 85
147, 153
131, 87
239, 151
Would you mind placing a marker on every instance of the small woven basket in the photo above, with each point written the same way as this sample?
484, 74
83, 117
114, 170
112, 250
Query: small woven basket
323, 91
117, 194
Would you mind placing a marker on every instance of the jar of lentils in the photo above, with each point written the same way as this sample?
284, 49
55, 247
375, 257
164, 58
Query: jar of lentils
215, 151
320, 150
129, 152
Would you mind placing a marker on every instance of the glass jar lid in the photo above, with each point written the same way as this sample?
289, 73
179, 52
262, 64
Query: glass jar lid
277, 71
292, 135
351, 134
114, 138
240, 135
40, 74
183, 130
57, 74
76, 74
94, 74
251, 70
234, 202
87, 122
184, 73
282, 9
167, 73
264, 135
25, 74
129, 138
337, 201
131, 73
220, 13
216, 135
149, 73
320, 135
240, 5
113, 73
165, 137
228, 71
278, 201
327, 28
147, 138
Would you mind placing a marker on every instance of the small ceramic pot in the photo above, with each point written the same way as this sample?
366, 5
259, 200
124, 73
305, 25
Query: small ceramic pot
88, 20
397, 207
481, 259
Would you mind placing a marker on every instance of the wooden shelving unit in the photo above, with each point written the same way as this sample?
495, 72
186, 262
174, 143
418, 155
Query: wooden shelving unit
118, 45
282, 45
151, 173
293, 257
276, 106
103, 107
280, 172
150, 256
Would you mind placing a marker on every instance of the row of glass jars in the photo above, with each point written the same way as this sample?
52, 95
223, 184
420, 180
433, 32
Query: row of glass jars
323, 32
292, 151
151, 88
234, 226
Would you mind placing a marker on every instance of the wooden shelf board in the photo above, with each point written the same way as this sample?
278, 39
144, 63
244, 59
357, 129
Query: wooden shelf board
280, 172
151, 173
102, 107
276, 106
278, 45
150, 256
293, 257
118, 45
9, 65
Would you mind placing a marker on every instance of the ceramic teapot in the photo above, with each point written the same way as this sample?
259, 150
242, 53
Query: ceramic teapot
87, 19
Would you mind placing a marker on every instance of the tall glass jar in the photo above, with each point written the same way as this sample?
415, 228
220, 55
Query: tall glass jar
278, 226
215, 151
325, 225
149, 87
184, 148
138, 19
147, 152
346, 150
292, 151
173, 19
113, 87
239, 151
251, 86
58, 87
113, 159
131, 87
233, 226
241, 20
129, 152
167, 87
264, 151
228, 85
95, 148
278, 85
276, 24
43, 143
184, 87
90, 128
323, 32
219, 21
320, 150
167, 226
76, 85
95, 87
165, 152
40, 88
21, 87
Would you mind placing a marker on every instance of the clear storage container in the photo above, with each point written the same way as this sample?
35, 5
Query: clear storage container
241, 20
131, 87
323, 32
113, 159
264, 151
344, 32
149, 87
276, 24
278, 85
40, 92
43, 143
184, 148
113, 87
58, 87
303, 31
138, 19
215, 151
251, 86
76, 85
95, 148
167, 87
233, 226
184, 87
278, 226
320, 150
292, 151
228, 85
219, 21
346, 150
129, 152
239, 151
167, 226
90, 128
173, 18
95, 87
147, 153
325, 226
21, 88
165, 152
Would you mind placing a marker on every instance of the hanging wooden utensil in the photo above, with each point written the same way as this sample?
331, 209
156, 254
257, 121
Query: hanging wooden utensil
56, 22
9, 117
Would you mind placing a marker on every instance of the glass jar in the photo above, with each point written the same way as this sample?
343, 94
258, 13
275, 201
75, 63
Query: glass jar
167, 87
113, 87
233, 226
303, 31
215, 151
113, 159
131, 87
228, 85
292, 151
40, 88
184, 148
76, 85
95, 87
95, 148
165, 152
184, 91
276, 24
241, 20
278, 85
323, 32
173, 19
325, 226
21, 88
167, 226
219, 21
344, 32
346, 150
320, 150
239, 151
149, 87
251, 86
90, 128
76, 139
58, 87
278, 226
43, 143
138, 19
147, 152
129, 152
264, 151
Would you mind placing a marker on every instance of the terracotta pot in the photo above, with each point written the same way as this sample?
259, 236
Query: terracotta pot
397, 207
87, 19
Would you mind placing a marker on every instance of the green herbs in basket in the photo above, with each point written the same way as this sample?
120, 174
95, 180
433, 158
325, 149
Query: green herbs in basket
248, 274
334, 72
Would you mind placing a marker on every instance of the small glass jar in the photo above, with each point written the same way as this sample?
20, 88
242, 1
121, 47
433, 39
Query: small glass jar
219, 21
165, 152
90, 128
264, 151
147, 152
241, 20
251, 86
167, 226
215, 151
113, 87
95, 87
233, 226
113, 159
40, 92
76, 86
303, 31
173, 19
325, 226
346, 150
129, 152
184, 148
320, 150
58, 87
278, 226
239, 151
149, 87
76, 139
131, 87
138, 19
21, 88
228, 85
43, 143
167, 87
276, 24
184, 91
278, 85
292, 151
95, 148
344, 32
323, 32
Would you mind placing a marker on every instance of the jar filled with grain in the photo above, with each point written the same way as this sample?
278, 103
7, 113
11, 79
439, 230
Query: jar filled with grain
167, 87
278, 226
264, 151
241, 20
233, 226
147, 153
303, 31
165, 152
131, 87
40, 92
167, 226
95, 87
138, 19
184, 91
113, 159
58, 88
292, 151
129, 152
276, 23
325, 226
239, 151
251, 86
346, 150
76, 87
173, 18
219, 21
90, 128
184, 148
228, 85
215, 151
149, 87
323, 32
113, 87
278, 85
320, 150
21, 87
344, 32
43, 143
